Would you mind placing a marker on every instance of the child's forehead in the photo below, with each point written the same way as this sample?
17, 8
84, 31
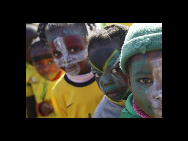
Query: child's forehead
44, 59
63, 32
147, 61
102, 59
44, 56
148, 55
38, 51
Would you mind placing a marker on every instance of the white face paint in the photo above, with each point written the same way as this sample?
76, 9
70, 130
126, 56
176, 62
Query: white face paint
157, 67
67, 60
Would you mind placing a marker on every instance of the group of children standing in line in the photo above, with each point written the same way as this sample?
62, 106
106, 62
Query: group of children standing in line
74, 70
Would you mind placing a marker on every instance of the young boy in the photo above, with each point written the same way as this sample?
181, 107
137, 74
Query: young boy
43, 62
104, 55
141, 60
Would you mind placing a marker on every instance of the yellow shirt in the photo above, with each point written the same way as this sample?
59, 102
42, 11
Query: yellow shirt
39, 87
30, 72
75, 100
119, 102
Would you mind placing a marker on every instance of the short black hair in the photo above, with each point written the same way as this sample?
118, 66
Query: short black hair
43, 27
106, 34
36, 42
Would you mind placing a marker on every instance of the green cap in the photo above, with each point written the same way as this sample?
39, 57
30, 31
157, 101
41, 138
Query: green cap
141, 38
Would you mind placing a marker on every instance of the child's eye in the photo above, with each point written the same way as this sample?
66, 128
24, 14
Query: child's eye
57, 54
144, 80
115, 70
73, 50
50, 62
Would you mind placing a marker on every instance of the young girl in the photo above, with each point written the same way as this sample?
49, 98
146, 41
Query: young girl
141, 60
105, 45
43, 62
76, 94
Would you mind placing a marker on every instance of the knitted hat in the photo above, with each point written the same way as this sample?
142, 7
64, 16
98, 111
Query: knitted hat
141, 37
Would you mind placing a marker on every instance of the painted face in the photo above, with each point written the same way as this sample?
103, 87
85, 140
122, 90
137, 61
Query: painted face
146, 82
47, 68
44, 63
69, 52
111, 80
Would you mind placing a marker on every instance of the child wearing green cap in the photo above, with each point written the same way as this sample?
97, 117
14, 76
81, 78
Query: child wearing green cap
141, 60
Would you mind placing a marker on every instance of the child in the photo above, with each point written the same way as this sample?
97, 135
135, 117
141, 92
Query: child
141, 60
76, 94
105, 45
31, 34
43, 62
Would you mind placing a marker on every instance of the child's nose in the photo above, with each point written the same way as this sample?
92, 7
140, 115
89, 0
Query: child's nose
46, 68
158, 95
157, 91
107, 80
67, 59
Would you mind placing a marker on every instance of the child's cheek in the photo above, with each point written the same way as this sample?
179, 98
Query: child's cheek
53, 68
140, 92
58, 62
39, 70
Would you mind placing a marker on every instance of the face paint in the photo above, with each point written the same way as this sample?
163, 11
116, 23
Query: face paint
157, 64
119, 78
67, 60
146, 82
63, 32
114, 54
112, 82
47, 68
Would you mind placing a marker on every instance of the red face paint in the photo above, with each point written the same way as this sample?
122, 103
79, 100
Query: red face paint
47, 68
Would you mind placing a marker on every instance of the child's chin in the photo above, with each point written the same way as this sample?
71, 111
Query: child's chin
157, 113
116, 98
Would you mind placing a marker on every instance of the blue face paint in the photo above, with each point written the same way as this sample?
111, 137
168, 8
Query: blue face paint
63, 33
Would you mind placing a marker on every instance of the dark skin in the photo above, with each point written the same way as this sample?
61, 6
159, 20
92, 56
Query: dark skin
113, 82
46, 108
47, 68
145, 82
73, 46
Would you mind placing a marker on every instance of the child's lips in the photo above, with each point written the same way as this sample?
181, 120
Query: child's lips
70, 68
112, 94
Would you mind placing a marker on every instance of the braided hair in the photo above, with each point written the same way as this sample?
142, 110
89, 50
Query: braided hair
44, 27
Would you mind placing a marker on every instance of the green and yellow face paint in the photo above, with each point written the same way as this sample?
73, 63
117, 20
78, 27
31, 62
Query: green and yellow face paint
114, 55
111, 80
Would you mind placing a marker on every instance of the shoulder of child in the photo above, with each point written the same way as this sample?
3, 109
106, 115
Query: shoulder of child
128, 111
